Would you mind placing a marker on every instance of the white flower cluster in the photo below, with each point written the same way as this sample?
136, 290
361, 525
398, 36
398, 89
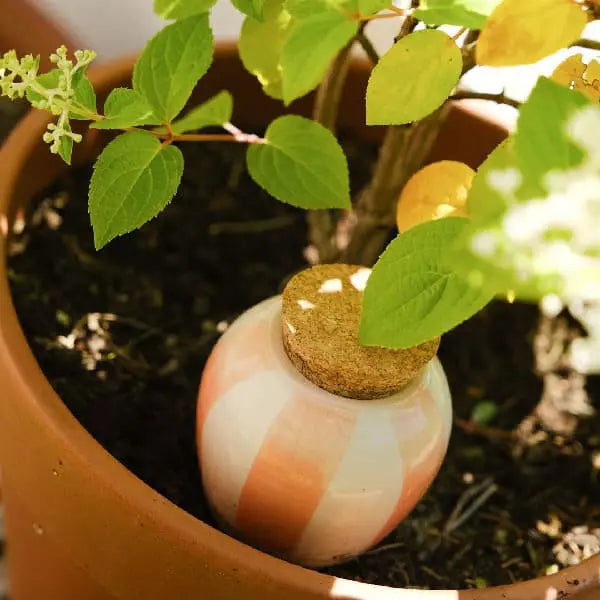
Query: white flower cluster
556, 235
20, 76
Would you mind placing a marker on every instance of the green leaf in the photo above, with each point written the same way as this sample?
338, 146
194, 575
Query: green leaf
312, 43
371, 7
251, 8
304, 9
484, 412
542, 143
485, 202
466, 13
181, 9
259, 58
413, 78
172, 63
134, 178
302, 164
215, 111
413, 294
65, 148
125, 108
83, 91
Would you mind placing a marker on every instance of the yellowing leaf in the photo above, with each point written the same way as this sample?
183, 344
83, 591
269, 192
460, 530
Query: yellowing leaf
592, 73
262, 59
521, 32
575, 74
438, 190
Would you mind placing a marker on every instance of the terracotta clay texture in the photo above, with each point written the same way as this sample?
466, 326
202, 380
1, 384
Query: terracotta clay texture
81, 526
27, 30
305, 474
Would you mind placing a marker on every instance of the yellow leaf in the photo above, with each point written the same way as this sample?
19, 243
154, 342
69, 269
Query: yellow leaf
575, 74
521, 32
592, 73
438, 190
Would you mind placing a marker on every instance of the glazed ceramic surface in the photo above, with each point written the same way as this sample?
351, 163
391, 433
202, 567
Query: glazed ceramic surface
302, 473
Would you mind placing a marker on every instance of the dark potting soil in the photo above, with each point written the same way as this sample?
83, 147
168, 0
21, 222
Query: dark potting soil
123, 334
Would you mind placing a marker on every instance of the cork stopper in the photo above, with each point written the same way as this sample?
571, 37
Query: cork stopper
320, 320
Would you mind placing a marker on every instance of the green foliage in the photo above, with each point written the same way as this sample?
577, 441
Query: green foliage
414, 293
304, 9
302, 164
261, 59
413, 78
534, 206
370, 7
65, 144
543, 143
83, 96
125, 108
215, 111
172, 63
467, 13
484, 412
134, 178
64, 92
304, 37
251, 8
534, 203
181, 9
311, 44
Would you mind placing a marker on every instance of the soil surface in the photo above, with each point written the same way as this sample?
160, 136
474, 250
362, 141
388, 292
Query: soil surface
123, 334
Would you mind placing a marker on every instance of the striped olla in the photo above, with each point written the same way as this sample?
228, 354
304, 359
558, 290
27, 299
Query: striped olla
306, 475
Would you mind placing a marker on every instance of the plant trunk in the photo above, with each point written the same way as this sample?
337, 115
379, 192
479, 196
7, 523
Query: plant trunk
403, 152
322, 223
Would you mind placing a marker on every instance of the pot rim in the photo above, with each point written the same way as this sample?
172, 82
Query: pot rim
47, 406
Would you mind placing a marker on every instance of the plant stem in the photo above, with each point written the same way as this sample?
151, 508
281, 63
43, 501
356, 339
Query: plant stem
459, 33
367, 46
388, 15
585, 43
322, 223
330, 91
499, 98
404, 150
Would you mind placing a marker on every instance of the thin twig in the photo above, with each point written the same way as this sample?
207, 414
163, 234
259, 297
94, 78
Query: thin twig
459, 516
498, 98
585, 43
473, 428
258, 226
385, 548
367, 46
390, 15
468, 51
216, 137
459, 33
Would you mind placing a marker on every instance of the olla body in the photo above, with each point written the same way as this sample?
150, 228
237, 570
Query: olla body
304, 474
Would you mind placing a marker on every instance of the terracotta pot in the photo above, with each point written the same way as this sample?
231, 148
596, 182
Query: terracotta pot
27, 30
81, 526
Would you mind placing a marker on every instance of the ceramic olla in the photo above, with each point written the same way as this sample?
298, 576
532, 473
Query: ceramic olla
302, 473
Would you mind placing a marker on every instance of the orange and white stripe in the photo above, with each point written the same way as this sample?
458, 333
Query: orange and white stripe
309, 476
